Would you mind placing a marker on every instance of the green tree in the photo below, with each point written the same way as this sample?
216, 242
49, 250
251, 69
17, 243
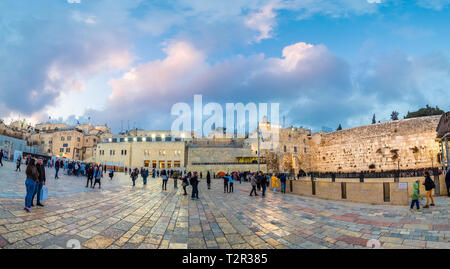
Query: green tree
374, 120
394, 115
425, 111
339, 127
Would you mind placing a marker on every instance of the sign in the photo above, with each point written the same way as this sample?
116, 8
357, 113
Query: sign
402, 186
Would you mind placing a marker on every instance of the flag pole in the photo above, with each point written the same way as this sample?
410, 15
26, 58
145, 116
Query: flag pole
258, 148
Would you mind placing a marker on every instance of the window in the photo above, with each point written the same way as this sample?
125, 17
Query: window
158, 138
176, 164
50, 142
284, 148
87, 140
95, 140
112, 152
69, 138
78, 139
123, 152
295, 149
42, 142
305, 150
61, 150
62, 138
67, 150
49, 151
78, 150
65, 145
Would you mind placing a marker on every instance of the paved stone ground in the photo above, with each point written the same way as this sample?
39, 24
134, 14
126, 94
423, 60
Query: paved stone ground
122, 216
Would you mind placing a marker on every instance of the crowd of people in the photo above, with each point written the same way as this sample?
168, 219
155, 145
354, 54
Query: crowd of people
259, 182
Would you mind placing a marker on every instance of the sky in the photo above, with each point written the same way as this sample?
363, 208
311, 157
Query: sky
126, 63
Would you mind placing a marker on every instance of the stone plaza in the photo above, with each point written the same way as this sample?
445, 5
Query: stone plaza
120, 216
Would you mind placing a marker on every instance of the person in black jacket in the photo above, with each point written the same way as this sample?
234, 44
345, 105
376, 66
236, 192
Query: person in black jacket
90, 175
447, 182
194, 183
208, 180
429, 186
41, 182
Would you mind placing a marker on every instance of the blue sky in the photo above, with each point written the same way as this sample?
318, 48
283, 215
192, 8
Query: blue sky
326, 62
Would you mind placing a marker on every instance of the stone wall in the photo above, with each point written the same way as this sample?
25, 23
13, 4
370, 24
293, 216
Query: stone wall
404, 144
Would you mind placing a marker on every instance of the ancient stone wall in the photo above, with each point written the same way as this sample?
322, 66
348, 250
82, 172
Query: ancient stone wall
402, 144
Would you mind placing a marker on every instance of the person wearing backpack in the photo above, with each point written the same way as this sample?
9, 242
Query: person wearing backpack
111, 174
231, 183
164, 178
429, 186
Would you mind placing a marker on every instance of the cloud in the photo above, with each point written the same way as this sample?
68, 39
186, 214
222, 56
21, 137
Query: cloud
262, 21
74, 1
433, 4
41, 58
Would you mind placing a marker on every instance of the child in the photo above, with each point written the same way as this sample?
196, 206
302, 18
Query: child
415, 197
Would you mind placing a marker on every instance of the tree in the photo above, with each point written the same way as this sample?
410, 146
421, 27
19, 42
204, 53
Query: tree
394, 115
339, 127
374, 120
423, 112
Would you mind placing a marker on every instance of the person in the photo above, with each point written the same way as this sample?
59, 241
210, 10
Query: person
231, 182
144, 175
201, 175
274, 183
194, 182
1, 157
225, 183
30, 183
415, 197
283, 183
185, 183
133, 176
208, 180
253, 182
19, 161
175, 176
447, 182
57, 166
90, 176
429, 186
98, 174
263, 181
111, 173
164, 180
40, 183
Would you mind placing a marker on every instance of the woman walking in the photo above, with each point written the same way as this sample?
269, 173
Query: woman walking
30, 183
98, 174
429, 186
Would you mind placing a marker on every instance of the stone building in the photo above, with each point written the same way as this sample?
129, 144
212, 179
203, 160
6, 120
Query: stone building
161, 150
395, 145
72, 142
